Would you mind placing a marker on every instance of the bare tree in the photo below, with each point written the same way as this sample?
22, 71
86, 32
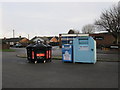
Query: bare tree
110, 20
89, 28
98, 28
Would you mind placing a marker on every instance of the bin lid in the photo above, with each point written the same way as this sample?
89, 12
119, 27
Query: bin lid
30, 45
39, 44
49, 46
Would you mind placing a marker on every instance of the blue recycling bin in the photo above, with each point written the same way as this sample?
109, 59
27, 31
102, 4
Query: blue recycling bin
67, 53
84, 49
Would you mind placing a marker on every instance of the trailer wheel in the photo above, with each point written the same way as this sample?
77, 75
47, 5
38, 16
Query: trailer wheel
35, 62
44, 61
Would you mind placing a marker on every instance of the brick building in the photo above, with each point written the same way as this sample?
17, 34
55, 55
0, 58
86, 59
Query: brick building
103, 39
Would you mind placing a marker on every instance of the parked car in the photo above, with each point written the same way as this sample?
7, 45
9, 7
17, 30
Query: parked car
18, 45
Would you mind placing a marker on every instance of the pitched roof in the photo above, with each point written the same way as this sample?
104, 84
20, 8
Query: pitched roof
12, 39
49, 38
44, 38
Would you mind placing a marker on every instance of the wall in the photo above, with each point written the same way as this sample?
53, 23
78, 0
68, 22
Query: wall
107, 40
5, 46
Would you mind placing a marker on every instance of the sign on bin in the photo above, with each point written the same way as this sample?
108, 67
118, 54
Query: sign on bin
67, 53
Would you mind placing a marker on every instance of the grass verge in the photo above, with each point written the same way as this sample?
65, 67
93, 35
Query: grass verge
57, 57
7, 50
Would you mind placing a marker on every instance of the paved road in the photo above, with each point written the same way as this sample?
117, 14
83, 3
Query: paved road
19, 74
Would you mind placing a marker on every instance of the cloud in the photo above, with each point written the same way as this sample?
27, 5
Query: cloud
48, 18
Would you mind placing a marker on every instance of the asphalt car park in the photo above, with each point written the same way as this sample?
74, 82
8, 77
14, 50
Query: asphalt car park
17, 73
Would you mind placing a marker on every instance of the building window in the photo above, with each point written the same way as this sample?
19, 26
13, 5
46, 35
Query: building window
98, 38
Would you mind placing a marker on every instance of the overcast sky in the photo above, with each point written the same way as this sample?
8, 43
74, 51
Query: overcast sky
48, 18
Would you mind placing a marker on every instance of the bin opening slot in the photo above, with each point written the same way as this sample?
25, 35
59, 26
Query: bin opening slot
67, 46
83, 38
83, 41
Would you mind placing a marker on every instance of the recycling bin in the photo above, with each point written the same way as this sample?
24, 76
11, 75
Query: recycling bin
67, 53
84, 49
67, 49
30, 50
39, 52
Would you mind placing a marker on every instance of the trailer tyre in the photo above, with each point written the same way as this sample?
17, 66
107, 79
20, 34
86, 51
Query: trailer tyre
44, 61
35, 62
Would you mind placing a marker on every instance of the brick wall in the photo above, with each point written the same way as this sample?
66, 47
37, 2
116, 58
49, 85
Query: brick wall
107, 40
4, 46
